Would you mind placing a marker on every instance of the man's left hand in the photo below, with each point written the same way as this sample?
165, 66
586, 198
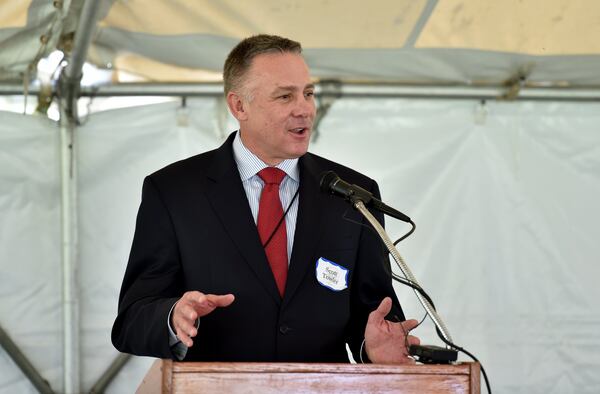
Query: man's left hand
387, 342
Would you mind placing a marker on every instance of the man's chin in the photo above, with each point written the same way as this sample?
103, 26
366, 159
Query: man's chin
299, 152
296, 155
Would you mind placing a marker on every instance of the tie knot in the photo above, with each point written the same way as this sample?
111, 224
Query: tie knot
271, 175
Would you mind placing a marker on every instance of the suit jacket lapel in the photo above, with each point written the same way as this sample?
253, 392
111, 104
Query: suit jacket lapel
228, 199
308, 227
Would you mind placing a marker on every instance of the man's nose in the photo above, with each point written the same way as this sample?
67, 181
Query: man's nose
304, 107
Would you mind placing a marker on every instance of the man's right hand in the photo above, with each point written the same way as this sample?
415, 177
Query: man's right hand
190, 307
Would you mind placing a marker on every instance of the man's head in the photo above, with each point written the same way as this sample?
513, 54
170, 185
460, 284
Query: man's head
269, 91
240, 58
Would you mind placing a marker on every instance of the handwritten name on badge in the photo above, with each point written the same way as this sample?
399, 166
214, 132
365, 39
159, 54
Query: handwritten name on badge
331, 275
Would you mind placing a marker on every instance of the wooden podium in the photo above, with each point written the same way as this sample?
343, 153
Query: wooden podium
166, 376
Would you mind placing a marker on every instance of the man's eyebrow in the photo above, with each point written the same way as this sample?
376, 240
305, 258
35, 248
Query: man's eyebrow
290, 88
284, 88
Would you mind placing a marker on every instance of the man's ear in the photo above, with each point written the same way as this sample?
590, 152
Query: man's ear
236, 105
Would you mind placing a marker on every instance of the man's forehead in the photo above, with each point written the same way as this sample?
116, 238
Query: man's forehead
273, 62
279, 72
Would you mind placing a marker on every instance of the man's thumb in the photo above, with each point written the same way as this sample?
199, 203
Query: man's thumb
223, 300
382, 310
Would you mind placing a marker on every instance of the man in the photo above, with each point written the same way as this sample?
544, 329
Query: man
237, 255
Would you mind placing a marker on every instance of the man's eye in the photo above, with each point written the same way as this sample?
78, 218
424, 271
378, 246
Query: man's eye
284, 96
309, 94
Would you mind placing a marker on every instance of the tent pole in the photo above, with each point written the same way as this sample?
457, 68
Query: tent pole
418, 27
68, 92
70, 292
23, 363
348, 90
356, 90
70, 78
110, 373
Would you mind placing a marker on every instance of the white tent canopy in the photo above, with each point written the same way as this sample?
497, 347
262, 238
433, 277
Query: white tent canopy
503, 192
465, 42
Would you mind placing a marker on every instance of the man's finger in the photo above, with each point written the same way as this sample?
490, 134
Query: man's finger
183, 336
195, 304
193, 297
220, 300
186, 311
198, 298
185, 326
382, 310
413, 340
211, 301
409, 325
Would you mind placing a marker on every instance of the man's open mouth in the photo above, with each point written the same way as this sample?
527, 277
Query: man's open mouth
298, 130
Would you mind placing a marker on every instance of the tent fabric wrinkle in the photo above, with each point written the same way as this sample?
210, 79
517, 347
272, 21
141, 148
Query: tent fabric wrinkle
317, 24
461, 42
21, 48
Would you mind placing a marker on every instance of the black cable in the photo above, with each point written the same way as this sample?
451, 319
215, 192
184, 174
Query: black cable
407, 333
412, 230
418, 288
368, 227
410, 283
460, 349
415, 286
281, 220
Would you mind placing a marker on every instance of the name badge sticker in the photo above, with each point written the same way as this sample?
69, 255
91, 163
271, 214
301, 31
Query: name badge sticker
331, 275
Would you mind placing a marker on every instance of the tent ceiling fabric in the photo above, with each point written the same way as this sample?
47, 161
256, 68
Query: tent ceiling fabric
535, 27
318, 24
13, 14
30, 30
462, 42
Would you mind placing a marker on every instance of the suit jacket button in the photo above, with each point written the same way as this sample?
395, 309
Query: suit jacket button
284, 329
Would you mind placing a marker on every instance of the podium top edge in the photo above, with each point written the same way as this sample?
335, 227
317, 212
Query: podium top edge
327, 368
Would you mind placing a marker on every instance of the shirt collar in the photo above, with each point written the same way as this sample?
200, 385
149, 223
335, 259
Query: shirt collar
249, 164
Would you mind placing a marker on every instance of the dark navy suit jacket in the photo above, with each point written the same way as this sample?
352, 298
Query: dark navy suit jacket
195, 231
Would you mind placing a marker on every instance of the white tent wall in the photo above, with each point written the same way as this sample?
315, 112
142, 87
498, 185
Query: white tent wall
118, 148
503, 196
30, 248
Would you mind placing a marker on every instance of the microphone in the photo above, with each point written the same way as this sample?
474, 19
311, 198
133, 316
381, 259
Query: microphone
332, 183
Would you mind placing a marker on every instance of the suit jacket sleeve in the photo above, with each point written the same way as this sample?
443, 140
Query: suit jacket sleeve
152, 281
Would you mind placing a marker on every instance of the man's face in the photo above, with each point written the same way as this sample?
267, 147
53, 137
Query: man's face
278, 107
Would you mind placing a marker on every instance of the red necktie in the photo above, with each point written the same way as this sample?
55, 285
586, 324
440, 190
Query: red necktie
270, 213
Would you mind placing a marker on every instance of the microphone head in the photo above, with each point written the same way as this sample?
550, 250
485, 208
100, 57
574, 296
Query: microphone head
328, 178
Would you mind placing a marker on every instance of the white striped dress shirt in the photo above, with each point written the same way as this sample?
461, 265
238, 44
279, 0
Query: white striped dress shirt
249, 165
